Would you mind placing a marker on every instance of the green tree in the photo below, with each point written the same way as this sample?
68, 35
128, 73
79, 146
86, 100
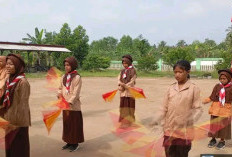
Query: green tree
229, 38
125, 45
79, 46
37, 39
181, 43
225, 63
162, 48
94, 62
49, 37
141, 46
147, 63
179, 53
106, 47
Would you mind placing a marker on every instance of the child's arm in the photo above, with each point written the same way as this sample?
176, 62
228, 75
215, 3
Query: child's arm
206, 101
119, 81
132, 82
209, 99
197, 107
77, 88
161, 114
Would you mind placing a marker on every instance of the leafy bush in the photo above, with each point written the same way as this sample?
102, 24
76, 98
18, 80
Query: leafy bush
225, 64
95, 62
147, 63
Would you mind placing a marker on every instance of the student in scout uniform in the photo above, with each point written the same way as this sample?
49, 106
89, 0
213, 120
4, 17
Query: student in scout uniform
16, 108
72, 118
181, 108
126, 79
220, 110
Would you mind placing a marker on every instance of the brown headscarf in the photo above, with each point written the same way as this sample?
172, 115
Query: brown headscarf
226, 72
19, 70
73, 63
128, 59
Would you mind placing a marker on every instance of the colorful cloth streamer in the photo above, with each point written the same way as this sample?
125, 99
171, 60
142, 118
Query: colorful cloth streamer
109, 96
53, 78
137, 92
49, 118
62, 104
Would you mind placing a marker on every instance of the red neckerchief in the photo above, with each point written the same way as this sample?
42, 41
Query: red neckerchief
6, 101
68, 81
222, 93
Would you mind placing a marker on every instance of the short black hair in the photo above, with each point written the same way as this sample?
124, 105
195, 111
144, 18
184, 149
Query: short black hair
184, 65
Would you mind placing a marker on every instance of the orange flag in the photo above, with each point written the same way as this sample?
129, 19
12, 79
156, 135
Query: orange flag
53, 78
62, 104
109, 96
137, 92
49, 118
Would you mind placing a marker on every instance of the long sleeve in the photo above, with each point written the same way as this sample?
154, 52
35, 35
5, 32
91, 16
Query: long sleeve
77, 83
132, 81
197, 109
161, 114
119, 76
214, 93
22, 109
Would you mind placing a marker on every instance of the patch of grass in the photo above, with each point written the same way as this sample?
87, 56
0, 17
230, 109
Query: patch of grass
36, 75
114, 73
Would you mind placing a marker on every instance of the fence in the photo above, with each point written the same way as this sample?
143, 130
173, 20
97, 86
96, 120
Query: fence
200, 64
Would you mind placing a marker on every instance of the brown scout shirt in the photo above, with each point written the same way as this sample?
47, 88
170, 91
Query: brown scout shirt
18, 113
73, 97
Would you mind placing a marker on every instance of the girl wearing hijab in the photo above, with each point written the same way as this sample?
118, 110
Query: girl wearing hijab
220, 110
16, 107
69, 89
126, 79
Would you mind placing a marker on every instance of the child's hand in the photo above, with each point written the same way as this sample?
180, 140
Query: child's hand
206, 101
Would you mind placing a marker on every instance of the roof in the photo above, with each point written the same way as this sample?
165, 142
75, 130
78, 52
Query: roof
32, 47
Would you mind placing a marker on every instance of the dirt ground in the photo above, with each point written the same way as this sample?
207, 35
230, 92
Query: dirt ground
98, 125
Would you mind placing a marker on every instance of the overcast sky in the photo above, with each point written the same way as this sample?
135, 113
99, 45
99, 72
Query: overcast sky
156, 20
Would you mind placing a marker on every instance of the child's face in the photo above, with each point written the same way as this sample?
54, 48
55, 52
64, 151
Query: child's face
125, 65
223, 80
67, 67
10, 68
181, 75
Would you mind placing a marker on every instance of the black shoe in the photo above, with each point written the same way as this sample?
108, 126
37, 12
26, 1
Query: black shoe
66, 146
73, 147
212, 143
221, 145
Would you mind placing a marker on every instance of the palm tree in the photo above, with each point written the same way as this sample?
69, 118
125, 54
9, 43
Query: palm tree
38, 39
